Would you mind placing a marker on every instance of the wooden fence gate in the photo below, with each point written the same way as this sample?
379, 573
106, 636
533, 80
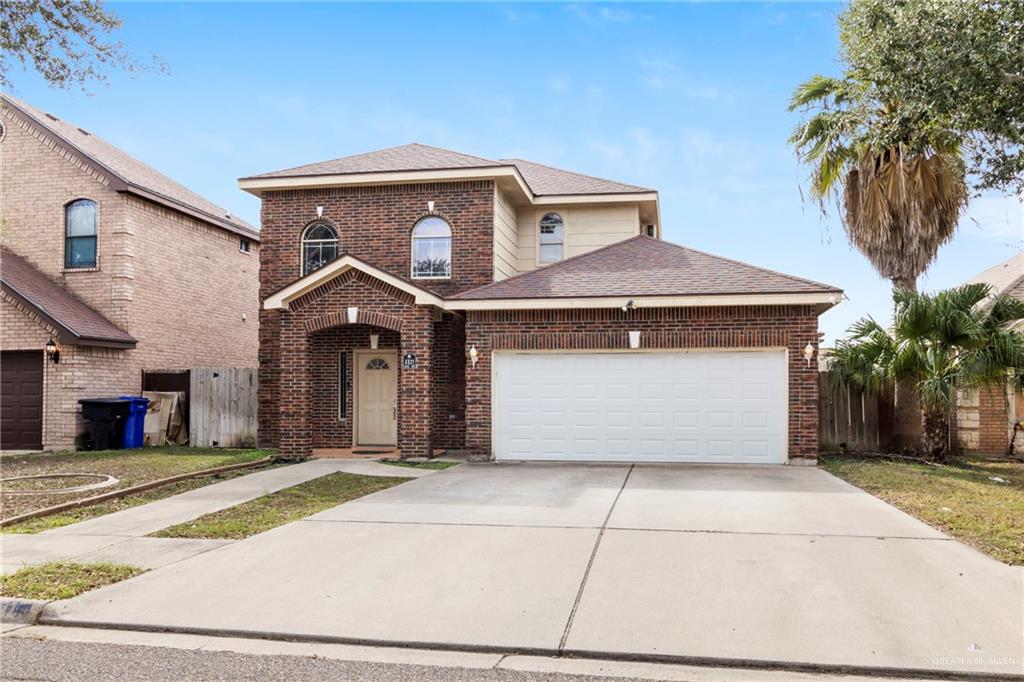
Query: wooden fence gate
223, 407
851, 420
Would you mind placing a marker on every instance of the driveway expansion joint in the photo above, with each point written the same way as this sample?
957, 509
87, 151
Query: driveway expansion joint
590, 563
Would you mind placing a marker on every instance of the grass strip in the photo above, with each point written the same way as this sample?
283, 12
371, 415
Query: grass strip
63, 579
963, 499
66, 518
281, 507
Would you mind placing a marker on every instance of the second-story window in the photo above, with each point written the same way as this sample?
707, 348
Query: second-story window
552, 238
319, 247
432, 249
80, 234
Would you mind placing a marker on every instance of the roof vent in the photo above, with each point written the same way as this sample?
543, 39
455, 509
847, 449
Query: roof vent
84, 132
52, 117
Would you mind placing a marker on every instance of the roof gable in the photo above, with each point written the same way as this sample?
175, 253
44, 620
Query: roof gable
77, 322
281, 299
644, 266
128, 173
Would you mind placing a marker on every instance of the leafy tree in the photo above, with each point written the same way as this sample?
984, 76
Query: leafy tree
955, 339
66, 41
956, 64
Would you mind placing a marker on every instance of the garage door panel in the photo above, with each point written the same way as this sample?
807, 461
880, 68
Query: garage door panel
671, 406
21, 395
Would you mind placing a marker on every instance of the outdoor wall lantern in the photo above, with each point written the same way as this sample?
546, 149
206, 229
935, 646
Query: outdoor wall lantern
52, 351
629, 305
353, 314
374, 340
809, 353
474, 355
634, 339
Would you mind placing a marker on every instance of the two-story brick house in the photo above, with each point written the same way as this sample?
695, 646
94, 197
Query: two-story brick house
115, 267
422, 298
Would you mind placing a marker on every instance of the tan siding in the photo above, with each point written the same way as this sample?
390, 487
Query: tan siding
39, 178
193, 285
506, 256
586, 228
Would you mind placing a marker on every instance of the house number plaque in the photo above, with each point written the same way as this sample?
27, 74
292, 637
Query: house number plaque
409, 361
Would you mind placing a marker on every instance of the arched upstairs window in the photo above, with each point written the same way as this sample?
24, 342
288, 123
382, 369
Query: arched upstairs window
80, 226
432, 249
552, 238
319, 247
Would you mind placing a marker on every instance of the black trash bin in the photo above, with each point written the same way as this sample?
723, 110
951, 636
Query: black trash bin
106, 417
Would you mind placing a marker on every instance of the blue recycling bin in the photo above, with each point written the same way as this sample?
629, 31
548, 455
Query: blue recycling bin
135, 423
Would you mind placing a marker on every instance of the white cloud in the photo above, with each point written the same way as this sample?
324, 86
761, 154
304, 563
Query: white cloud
559, 83
606, 14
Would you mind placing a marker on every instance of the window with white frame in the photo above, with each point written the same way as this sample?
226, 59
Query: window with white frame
80, 227
432, 249
551, 238
319, 247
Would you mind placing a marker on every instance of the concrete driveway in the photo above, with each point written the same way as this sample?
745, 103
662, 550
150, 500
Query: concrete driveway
773, 564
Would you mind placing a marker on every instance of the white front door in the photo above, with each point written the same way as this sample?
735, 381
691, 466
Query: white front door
376, 398
728, 407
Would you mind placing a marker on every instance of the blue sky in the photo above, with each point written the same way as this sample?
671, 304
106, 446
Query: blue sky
687, 98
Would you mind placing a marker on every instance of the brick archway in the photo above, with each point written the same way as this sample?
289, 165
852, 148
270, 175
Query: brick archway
340, 318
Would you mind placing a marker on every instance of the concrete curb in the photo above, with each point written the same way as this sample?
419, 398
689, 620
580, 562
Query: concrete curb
697, 661
21, 611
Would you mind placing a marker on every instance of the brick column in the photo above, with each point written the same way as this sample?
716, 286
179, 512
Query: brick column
478, 393
415, 388
293, 389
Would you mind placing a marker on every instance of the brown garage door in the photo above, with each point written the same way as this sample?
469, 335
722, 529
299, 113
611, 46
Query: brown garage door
21, 400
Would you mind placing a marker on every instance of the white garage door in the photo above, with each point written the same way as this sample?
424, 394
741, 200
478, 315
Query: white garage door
727, 407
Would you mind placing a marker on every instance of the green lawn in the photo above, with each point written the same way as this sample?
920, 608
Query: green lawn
130, 467
62, 579
429, 464
284, 506
960, 499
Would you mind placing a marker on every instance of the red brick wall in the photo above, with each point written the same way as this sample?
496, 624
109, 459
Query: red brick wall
325, 348
288, 360
790, 327
450, 382
375, 224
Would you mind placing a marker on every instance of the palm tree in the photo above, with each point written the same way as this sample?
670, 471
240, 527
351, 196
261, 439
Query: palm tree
956, 339
901, 183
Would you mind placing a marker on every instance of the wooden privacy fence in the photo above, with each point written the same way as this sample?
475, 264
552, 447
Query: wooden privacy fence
223, 407
850, 420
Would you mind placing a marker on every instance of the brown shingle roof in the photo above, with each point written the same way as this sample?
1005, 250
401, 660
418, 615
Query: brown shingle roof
542, 180
406, 157
78, 323
644, 266
545, 180
128, 173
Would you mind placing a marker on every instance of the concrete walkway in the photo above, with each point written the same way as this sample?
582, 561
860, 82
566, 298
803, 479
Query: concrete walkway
120, 537
783, 566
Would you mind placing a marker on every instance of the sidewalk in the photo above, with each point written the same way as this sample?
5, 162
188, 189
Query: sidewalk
121, 537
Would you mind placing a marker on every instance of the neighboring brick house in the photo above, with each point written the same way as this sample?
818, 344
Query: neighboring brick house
984, 417
426, 299
121, 268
